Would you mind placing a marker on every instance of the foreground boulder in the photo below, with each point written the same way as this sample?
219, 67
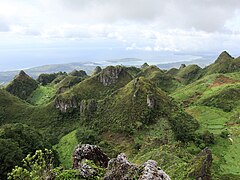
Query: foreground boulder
121, 169
151, 171
89, 152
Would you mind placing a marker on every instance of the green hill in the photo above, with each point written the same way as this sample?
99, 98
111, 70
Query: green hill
147, 113
22, 86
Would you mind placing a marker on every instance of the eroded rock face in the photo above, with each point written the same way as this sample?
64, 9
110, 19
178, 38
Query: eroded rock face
150, 101
121, 168
202, 165
89, 152
88, 106
65, 105
86, 171
152, 172
110, 75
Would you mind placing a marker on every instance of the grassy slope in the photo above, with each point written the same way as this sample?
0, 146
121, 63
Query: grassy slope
226, 154
42, 95
65, 148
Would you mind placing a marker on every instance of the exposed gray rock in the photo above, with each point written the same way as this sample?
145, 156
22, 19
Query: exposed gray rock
182, 66
65, 105
88, 106
86, 171
89, 152
110, 75
150, 101
152, 172
202, 165
121, 169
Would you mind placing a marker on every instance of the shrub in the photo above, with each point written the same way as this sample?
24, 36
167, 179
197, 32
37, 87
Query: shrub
87, 136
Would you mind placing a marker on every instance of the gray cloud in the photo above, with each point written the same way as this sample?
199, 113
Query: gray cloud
208, 15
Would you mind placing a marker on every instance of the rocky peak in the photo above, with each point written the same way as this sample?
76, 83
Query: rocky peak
89, 152
22, 85
22, 73
110, 74
97, 70
145, 65
182, 66
224, 56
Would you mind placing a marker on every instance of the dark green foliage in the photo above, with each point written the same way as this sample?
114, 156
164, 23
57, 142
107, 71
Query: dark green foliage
204, 139
225, 134
189, 73
10, 156
87, 136
45, 79
97, 70
79, 73
226, 99
18, 140
183, 126
22, 86
68, 82
37, 166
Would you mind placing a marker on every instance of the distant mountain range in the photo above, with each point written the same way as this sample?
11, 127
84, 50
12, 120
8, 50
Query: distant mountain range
7, 76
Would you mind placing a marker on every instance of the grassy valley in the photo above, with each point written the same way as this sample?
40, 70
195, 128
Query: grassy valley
171, 117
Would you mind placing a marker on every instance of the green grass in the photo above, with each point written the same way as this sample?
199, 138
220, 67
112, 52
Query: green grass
226, 154
42, 95
65, 149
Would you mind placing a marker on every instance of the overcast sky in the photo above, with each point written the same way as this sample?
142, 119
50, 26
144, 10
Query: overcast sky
35, 32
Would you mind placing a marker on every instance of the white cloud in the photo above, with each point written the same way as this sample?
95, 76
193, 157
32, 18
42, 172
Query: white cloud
146, 25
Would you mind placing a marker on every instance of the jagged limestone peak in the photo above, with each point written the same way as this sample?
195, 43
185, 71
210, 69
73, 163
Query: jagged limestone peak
224, 56
145, 65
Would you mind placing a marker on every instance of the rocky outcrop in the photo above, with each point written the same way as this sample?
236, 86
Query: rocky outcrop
182, 66
202, 165
150, 101
88, 106
86, 171
110, 75
121, 168
89, 152
151, 172
65, 105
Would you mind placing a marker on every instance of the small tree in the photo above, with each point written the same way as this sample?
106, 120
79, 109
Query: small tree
38, 166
